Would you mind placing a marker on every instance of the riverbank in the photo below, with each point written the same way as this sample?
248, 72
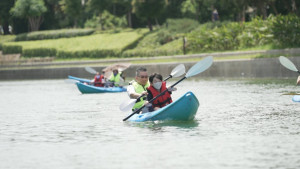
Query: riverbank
226, 64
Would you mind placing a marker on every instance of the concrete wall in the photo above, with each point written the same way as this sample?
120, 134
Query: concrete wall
260, 68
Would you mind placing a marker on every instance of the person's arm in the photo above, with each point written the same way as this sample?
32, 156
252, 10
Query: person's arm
132, 94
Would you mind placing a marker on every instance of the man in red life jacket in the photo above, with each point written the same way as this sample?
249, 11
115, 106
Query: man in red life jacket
156, 87
99, 80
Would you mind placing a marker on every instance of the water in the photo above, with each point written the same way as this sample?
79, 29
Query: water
239, 125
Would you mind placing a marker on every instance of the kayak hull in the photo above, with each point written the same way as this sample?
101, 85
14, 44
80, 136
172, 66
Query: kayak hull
88, 89
183, 109
80, 79
296, 98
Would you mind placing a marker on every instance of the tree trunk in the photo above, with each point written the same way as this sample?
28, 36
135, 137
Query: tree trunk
294, 6
6, 28
114, 9
263, 11
274, 8
197, 9
149, 24
34, 23
129, 19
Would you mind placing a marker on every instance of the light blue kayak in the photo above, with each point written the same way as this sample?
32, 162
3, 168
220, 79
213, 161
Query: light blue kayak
86, 89
296, 98
183, 109
80, 79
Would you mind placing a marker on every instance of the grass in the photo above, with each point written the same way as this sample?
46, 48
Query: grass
91, 42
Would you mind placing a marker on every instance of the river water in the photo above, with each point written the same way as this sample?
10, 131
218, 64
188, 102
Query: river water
240, 124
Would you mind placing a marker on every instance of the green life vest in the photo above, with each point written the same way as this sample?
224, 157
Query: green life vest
115, 79
139, 89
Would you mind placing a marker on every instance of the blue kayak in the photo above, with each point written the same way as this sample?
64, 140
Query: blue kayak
296, 98
86, 88
80, 79
183, 109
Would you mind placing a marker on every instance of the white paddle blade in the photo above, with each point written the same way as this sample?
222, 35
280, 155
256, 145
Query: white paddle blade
71, 81
127, 105
199, 67
178, 71
90, 70
287, 63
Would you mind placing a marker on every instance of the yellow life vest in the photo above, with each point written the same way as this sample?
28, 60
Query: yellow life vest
139, 89
115, 79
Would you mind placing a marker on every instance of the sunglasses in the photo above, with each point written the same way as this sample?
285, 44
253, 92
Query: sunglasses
143, 77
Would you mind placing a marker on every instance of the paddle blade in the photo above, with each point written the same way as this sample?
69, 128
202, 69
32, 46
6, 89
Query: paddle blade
199, 67
90, 70
71, 81
178, 71
287, 63
127, 105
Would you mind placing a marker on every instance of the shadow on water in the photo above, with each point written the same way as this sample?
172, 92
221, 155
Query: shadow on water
157, 125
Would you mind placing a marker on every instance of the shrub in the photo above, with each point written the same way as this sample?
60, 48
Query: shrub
103, 53
54, 34
107, 21
39, 52
286, 30
6, 38
11, 49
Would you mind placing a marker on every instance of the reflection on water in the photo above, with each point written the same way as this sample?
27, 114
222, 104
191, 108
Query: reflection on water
244, 124
157, 125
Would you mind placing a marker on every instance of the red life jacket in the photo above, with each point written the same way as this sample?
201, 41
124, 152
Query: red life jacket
98, 81
162, 100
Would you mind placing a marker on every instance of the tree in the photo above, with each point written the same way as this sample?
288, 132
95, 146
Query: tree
30, 9
5, 6
73, 9
148, 10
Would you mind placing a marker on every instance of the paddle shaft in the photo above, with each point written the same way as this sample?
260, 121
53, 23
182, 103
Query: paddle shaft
138, 110
170, 76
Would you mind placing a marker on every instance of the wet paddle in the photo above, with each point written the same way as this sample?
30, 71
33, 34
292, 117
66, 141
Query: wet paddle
176, 72
288, 64
199, 67
90, 70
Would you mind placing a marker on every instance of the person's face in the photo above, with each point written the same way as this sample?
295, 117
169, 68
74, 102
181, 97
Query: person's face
142, 78
115, 72
155, 80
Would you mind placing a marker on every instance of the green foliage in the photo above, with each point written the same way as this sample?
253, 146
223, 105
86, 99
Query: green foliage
38, 52
96, 53
73, 9
53, 34
172, 48
175, 28
258, 32
99, 45
6, 38
286, 30
28, 8
219, 38
106, 21
11, 49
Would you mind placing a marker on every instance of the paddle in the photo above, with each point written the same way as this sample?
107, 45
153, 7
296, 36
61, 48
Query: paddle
90, 70
176, 72
196, 69
288, 64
